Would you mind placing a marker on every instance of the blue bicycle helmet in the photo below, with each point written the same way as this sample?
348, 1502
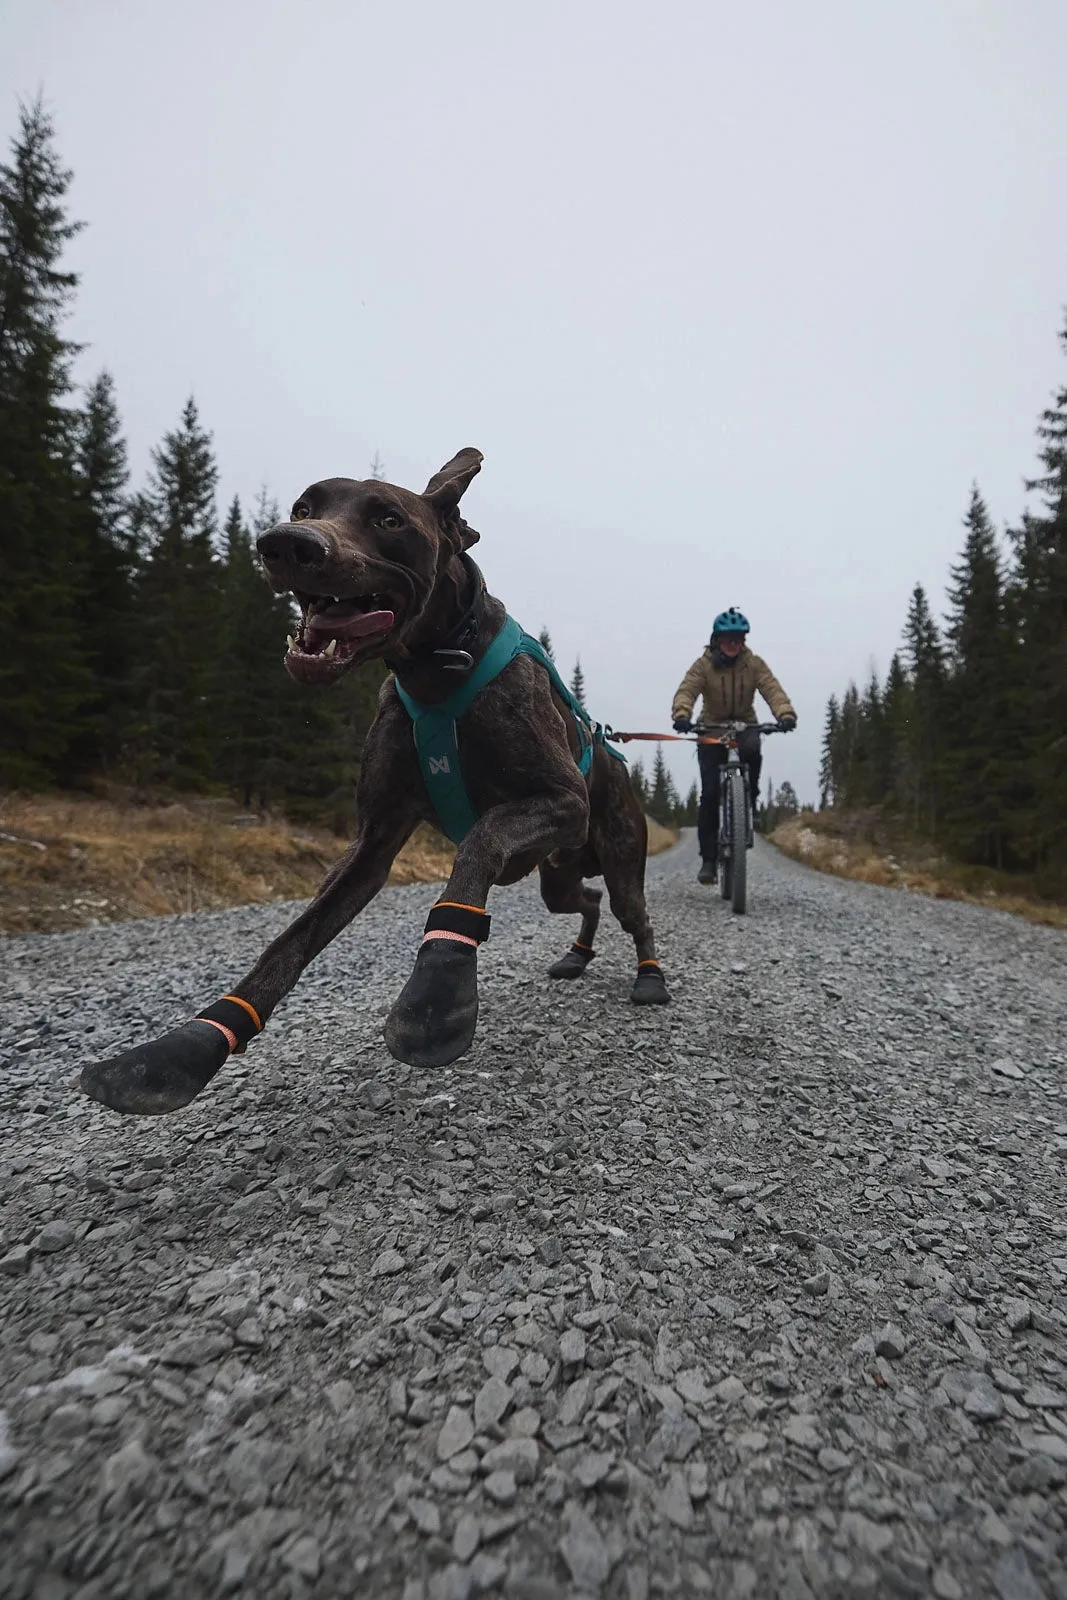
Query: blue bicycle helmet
732, 621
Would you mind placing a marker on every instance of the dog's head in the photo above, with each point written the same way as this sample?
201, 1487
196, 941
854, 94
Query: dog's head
362, 559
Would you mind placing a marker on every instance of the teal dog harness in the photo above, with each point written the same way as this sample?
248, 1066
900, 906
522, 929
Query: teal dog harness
437, 744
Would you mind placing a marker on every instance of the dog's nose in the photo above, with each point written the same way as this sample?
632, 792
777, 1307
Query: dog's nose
292, 545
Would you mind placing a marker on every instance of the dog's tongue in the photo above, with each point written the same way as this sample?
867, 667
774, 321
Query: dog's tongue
344, 620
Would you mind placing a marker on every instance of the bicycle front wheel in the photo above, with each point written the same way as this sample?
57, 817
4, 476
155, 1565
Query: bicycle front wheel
738, 813
726, 849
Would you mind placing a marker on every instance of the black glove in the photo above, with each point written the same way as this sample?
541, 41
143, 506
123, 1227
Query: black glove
787, 723
682, 725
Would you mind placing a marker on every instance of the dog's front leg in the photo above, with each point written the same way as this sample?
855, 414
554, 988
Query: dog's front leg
166, 1073
433, 1021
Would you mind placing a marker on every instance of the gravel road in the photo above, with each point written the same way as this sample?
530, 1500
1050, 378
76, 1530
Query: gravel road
758, 1295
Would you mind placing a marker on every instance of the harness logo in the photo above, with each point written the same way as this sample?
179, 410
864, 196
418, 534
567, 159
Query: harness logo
439, 764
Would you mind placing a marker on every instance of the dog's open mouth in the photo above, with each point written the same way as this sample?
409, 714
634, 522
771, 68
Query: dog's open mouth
333, 631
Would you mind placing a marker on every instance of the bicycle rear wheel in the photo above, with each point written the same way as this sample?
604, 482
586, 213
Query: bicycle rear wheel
738, 813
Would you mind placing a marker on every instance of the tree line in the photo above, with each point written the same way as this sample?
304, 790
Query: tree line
139, 639
657, 791
965, 741
141, 643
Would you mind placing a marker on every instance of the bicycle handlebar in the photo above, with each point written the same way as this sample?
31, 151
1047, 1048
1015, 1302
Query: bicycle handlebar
737, 727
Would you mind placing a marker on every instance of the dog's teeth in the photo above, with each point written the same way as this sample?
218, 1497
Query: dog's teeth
290, 641
330, 648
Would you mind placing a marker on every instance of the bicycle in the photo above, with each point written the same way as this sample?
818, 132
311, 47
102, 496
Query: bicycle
737, 828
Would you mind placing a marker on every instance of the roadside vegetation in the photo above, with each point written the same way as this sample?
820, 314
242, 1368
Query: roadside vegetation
870, 848
71, 861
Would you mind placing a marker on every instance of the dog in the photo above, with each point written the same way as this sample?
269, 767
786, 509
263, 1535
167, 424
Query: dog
511, 764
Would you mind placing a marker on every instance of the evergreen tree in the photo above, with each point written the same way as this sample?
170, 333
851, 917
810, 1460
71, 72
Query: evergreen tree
640, 783
780, 806
846, 788
786, 800
827, 785
924, 654
875, 752
980, 743
965, 741
663, 797
250, 722
545, 640
578, 682
44, 682
178, 612
691, 809
106, 542
377, 468
896, 712
1038, 606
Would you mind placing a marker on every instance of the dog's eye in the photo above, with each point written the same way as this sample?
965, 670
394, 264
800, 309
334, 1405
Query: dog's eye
389, 520
300, 512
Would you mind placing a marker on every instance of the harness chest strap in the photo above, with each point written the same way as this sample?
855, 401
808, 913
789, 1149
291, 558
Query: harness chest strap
437, 741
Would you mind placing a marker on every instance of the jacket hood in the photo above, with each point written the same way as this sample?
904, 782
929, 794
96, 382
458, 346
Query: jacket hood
727, 662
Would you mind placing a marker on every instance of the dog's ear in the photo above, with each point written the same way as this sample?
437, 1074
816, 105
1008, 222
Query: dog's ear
447, 487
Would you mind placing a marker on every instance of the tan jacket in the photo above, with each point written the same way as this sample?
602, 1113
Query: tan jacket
728, 692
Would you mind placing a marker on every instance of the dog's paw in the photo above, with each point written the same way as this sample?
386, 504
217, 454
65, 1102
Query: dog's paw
650, 987
572, 965
160, 1076
432, 1023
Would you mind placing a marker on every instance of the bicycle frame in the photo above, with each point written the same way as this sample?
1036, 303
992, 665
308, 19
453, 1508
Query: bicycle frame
733, 842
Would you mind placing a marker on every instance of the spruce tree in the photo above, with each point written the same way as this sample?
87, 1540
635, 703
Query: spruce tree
578, 682
925, 657
692, 807
980, 744
1038, 606
896, 712
250, 721
640, 783
179, 616
377, 468
544, 638
106, 541
849, 732
827, 785
44, 682
786, 800
662, 798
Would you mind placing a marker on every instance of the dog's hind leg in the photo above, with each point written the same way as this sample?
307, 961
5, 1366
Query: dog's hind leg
563, 889
620, 839
627, 896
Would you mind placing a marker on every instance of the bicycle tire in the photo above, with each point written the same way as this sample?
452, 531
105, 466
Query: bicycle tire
726, 876
738, 843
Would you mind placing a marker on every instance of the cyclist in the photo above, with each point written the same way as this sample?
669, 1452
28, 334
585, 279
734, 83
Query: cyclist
727, 677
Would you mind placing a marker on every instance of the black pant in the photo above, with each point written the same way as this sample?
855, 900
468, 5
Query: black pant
711, 759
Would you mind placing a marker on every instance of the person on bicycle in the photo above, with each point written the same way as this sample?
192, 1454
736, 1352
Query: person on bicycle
727, 677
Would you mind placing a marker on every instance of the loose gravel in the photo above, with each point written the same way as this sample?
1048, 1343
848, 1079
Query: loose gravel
758, 1295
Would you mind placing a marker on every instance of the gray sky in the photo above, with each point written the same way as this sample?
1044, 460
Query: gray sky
736, 299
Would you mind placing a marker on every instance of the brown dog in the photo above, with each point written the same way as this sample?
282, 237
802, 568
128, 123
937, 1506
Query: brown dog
380, 572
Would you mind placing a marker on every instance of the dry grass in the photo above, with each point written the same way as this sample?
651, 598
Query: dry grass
859, 846
72, 861
659, 837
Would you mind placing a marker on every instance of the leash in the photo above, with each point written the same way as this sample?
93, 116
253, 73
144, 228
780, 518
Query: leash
662, 738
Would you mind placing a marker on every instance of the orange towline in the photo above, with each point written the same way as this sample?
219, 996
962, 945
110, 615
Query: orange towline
683, 738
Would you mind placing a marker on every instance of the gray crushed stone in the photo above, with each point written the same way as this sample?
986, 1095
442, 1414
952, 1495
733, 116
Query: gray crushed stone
758, 1295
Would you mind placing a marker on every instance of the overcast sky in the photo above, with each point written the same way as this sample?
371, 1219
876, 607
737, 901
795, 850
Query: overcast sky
736, 299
